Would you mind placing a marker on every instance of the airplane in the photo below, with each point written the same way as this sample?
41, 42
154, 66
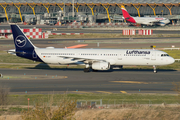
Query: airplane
93, 59
144, 21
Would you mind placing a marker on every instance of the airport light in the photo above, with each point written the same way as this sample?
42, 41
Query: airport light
73, 8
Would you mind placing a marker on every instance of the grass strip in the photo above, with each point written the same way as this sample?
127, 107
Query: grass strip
106, 98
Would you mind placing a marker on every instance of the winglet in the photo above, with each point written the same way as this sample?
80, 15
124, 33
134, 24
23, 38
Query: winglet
78, 46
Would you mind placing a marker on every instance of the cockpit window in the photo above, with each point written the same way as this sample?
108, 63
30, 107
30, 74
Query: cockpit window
162, 55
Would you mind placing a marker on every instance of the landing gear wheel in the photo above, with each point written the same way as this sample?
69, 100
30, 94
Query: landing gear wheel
121, 66
94, 70
154, 69
143, 26
86, 70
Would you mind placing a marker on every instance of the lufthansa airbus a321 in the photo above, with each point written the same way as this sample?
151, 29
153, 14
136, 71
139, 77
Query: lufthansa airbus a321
93, 59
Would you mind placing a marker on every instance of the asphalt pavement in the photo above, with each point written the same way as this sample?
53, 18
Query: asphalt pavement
38, 81
63, 29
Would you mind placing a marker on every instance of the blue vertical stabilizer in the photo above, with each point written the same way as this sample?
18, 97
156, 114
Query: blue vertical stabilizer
20, 40
24, 47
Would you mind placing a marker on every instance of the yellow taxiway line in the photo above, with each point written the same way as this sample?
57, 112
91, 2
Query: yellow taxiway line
123, 91
80, 91
104, 92
131, 82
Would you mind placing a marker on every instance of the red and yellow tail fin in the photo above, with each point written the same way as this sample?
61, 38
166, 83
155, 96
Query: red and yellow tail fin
124, 11
126, 15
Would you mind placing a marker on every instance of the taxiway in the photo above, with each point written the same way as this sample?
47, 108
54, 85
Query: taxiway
76, 81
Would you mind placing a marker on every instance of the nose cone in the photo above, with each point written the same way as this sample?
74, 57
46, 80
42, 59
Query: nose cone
171, 60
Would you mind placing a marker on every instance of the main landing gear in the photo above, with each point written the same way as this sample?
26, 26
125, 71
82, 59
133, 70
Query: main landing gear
154, 69
87, 68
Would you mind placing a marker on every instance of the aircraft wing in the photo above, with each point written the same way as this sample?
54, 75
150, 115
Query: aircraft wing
81, 59
151, 22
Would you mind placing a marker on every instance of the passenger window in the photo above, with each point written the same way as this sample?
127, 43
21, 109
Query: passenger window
164, 55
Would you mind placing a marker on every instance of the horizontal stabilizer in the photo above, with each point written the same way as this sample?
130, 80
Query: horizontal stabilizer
13, 52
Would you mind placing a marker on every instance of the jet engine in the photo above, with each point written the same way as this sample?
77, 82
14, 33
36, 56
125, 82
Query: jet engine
162, 24
101, 66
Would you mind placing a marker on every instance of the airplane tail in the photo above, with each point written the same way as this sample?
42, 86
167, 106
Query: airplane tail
124, 11
126, 15
20, 40
24, 47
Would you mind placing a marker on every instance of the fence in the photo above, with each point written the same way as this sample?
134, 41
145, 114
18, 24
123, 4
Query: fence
88, 104
30, 33
171, 48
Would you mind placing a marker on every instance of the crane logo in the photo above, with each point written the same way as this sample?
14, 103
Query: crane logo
20, 41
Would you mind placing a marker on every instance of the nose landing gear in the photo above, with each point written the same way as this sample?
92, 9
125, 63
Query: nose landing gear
154, 69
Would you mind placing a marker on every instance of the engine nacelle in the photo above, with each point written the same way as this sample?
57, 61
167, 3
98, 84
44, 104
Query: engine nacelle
101, 66
162, 24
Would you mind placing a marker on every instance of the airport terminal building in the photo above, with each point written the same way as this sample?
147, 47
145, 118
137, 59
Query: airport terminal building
85, 10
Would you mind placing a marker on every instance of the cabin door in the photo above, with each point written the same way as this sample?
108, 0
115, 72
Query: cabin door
119, 56
153, 55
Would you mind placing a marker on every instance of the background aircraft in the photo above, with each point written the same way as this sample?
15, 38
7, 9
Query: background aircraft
93, 59
144, 21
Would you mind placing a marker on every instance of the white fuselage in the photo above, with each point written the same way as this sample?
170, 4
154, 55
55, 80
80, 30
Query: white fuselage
113, 56
151, 20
